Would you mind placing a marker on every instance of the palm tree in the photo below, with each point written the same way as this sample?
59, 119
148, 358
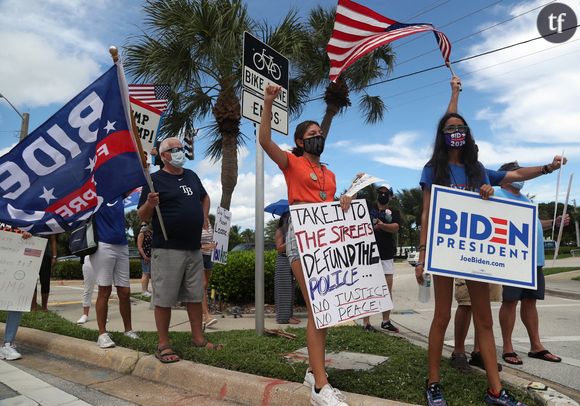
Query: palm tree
195, 46
315, 65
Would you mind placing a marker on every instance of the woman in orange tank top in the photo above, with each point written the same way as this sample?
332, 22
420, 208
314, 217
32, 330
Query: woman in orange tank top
308, 181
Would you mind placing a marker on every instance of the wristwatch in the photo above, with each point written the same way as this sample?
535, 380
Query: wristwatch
419, 263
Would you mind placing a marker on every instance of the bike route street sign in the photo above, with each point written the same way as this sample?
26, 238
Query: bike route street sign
263, 66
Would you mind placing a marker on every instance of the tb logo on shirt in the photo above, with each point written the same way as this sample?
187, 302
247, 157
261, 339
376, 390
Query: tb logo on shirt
186, 190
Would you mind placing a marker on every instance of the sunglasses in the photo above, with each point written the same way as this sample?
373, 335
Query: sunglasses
455, 128
174, 149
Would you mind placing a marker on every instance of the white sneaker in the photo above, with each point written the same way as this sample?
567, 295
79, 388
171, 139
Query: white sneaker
9, 353
328, 396
309, 378
146, 294
104, 341
132, 335
83, 319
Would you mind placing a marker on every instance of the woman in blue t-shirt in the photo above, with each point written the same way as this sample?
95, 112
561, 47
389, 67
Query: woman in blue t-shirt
454, 163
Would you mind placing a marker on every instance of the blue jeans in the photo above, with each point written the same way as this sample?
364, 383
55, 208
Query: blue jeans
12, 323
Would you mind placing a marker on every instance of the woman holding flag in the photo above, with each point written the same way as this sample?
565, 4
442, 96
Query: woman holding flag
454, 163
308, 181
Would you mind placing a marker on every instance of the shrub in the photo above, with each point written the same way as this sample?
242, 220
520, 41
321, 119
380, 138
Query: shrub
73, 269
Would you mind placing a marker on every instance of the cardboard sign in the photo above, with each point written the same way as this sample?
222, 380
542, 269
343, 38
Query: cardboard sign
360, 182
221, 235
20, 262
340, 260
484, 240
147, 119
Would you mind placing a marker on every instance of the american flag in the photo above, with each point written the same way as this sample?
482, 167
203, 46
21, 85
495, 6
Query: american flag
153, 95
358, 30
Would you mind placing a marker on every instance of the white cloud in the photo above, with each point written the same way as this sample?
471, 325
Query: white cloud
405, 149
535, 98
54, 48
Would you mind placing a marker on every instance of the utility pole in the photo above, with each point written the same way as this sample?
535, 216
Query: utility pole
577, 226
24, 117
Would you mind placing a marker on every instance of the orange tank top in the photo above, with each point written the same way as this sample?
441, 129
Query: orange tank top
306, 181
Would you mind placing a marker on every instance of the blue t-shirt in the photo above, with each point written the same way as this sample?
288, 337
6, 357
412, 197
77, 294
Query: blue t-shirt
457, 175
495, 177
499, 192
110, 221
180, 198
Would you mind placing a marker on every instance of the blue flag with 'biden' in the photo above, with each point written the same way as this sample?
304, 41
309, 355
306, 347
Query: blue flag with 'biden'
81, 157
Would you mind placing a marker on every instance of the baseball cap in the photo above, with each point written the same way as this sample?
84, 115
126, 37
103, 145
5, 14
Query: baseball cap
384, 185
509, 166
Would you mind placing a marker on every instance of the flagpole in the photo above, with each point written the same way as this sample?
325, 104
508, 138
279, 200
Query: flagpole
453, 73
557, 197
562, 220
133, 130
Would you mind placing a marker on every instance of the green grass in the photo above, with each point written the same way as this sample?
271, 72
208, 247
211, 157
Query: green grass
139, 296
576, 278
401, 378
552, 271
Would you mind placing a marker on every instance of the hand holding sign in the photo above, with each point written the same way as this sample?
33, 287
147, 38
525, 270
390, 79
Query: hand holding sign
271, 92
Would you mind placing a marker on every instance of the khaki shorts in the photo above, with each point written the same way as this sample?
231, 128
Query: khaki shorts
462, 294
176, 276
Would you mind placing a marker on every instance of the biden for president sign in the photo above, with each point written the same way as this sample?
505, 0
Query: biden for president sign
485, 240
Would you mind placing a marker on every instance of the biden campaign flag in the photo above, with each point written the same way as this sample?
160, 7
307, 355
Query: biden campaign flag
80, 158
484, 240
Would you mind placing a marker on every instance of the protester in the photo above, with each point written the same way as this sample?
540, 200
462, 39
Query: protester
88, 287
110, 264
283, 278
386, 224
308, 181
463, 313
8, 350
176, 263
48, 261
528, 297
144, 246
207, 247
454, 163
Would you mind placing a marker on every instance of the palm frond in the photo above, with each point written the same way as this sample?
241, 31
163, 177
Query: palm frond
373, 108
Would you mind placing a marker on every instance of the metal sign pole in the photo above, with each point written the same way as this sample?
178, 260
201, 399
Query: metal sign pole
259, 235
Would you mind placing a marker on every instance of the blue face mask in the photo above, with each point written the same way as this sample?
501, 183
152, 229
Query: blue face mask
518, 185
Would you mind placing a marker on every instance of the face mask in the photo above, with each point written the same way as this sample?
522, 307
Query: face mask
518, 185
455, 139
177, 159
383, 198
314, 145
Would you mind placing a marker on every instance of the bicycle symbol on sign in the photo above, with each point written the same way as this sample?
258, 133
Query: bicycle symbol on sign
261, 61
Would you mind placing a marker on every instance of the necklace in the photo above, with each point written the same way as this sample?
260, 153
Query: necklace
314, 177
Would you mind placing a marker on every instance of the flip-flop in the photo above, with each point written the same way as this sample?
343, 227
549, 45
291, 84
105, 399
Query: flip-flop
543, 356
207, 345
477, 361
508, 355
168, 357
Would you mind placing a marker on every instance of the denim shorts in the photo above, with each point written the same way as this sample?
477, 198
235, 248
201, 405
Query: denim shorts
291, 244
207, 264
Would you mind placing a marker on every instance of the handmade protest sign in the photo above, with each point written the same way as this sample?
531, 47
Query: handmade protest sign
20, 262
359, 182
221, 235
340, 261
484, 240
147, 120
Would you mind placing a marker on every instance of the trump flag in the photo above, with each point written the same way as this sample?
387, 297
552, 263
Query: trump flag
81, 157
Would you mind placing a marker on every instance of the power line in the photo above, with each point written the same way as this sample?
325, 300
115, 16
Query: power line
455, 41
429, 8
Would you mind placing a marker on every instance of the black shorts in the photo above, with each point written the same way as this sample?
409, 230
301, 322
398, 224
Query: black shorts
513, 294
207, 264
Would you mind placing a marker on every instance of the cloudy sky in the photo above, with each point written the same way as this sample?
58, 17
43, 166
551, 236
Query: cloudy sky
522, 103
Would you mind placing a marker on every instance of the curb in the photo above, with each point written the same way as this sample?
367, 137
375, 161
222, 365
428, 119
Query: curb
563, 294
218, 383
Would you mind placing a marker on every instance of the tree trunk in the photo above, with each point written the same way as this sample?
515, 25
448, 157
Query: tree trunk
336, 98
229, 174
331, 111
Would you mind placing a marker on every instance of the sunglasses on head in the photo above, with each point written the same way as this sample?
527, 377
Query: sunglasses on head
455, 128
174, 149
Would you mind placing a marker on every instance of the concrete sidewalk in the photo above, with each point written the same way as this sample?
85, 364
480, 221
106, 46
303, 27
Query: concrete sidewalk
563, 285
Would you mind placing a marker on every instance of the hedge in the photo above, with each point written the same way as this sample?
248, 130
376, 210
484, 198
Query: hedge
234, 282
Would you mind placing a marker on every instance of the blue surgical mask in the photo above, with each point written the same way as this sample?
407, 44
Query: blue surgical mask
518, 185
177, 159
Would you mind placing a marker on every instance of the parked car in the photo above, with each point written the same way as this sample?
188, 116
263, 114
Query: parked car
413, 257
250, 246
549, 244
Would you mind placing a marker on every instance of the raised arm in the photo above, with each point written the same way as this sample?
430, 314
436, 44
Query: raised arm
455, 89
265, 135
532, 172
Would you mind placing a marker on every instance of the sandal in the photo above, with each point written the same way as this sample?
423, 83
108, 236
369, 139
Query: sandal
207, 345
477, 361
459, 361
166, 357
544, 356
512, 355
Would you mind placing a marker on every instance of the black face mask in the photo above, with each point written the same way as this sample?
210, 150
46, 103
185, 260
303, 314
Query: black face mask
383, 198
314, 145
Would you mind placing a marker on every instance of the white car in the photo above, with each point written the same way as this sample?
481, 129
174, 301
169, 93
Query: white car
413, 257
